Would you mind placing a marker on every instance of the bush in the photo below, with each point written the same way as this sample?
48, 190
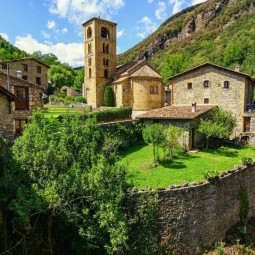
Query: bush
62, 94
108, 96
80, 99
69, 98
210, 174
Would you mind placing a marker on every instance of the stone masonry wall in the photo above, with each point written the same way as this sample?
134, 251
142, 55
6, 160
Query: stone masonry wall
194, 216
232, 98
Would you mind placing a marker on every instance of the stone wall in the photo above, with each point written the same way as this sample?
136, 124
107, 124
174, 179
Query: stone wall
194, 216
233, 98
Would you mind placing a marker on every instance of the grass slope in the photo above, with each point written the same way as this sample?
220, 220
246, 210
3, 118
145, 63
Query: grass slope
187, 168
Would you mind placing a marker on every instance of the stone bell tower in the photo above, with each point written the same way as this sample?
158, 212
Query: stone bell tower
99, 58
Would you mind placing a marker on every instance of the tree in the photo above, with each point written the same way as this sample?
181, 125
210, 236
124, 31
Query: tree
154, 134
67, 177
172, 135
79, 79
108, 96
220, 125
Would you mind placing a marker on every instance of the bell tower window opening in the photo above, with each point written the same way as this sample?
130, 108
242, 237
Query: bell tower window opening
105, 33
105, 73
90, 73
107, 48
89, 32
103, 47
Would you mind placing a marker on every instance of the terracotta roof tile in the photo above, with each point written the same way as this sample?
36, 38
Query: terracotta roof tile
176, 112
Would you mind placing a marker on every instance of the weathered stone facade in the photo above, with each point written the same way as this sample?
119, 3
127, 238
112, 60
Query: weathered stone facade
213, 85
135, 84
13, 118
32, 70
194, 216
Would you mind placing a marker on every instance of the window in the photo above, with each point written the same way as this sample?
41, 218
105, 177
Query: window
90, 73
105, 62
153, 89
25, 67
24, 77
105, 33
189, 85
38, 80
89, 32
39, 69
89, 48
22, 94
226, 84
103, 47
4, 66
206, 100
105, 73
19, 125
206, 84
107, 48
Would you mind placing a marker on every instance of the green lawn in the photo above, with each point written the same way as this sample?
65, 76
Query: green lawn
55, 111
187, 168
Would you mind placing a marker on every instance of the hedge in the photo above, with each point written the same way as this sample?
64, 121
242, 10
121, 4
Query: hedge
108, 96
106, 115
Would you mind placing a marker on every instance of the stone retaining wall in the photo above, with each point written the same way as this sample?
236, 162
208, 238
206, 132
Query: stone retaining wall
196, 216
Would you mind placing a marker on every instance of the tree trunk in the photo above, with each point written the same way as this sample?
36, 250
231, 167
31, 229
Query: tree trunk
50, 235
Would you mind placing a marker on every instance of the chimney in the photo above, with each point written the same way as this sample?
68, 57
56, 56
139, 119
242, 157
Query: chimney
237, 68
194, 107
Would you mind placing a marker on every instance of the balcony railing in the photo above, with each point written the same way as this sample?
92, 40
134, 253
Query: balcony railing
250, 107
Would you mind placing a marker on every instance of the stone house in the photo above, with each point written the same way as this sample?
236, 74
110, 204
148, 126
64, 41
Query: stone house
185, 117
31, 69
210, 84
19, 98
135, 84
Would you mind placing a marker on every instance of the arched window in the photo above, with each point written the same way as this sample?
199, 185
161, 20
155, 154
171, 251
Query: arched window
105, 33
105, 73
90, 73
89, 48
107, 48
89, 32
103, 47
107, 62
89, 61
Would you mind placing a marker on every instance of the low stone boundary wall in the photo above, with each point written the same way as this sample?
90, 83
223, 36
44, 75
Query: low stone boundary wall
198, 215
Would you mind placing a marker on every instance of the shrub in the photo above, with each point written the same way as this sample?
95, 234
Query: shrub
108, 96
80, 99
69, 98
62, 94
210, 174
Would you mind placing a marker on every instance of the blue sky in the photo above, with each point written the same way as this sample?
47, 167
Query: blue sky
54, 26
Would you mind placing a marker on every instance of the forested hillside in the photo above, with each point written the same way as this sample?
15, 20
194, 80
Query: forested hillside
218, 31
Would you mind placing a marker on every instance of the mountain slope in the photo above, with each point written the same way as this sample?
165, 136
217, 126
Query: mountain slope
218, 31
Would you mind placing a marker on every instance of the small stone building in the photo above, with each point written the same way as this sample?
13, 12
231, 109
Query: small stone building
186, 117
139, 85
19, 98
31, 70
135, 84
209, 84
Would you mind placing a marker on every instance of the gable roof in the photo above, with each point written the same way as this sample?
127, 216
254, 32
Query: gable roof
146, 71
177, 112
213, 66
7, 93
22, 59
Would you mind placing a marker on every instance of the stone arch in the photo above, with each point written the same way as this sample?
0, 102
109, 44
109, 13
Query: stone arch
105, 33
89, 32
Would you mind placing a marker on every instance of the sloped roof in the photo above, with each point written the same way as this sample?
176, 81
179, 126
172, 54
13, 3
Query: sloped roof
124, 68
146, 71
22, 59
211, 65
176, 112
7, 93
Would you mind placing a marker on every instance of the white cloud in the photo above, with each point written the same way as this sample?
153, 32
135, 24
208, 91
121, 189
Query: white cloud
5, 36
78, 11
120, 33
146, 27
160, 12
71, 53
64, 30
197, 1
177, 5
45, 35
51, 24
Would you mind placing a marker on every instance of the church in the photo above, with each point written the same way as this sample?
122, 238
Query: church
136, 84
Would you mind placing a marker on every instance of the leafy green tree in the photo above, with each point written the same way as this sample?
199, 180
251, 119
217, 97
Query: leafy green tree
220, 125
172, 135
70, 174
108, 96
61, 75
154, 134
79, 79
234, 54
49, 58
